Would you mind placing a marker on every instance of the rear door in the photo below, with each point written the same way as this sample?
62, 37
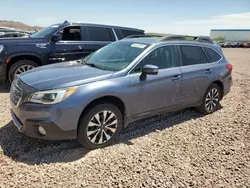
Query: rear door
97, 37
196, 74
70, 47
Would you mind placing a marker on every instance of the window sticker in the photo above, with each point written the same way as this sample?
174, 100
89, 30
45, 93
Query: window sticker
136, 45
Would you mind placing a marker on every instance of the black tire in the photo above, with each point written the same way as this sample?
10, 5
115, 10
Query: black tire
86, 118
16, 65
204, 107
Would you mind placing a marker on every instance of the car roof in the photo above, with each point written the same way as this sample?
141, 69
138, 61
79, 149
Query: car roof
99, 25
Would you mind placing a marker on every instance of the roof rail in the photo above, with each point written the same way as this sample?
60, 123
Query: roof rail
139, 36
135, 36
186, 38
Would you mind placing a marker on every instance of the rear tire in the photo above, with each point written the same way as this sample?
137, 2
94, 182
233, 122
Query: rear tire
211, 99
19, 67
99, 126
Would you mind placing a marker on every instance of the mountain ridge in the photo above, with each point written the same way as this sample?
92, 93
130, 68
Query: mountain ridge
18, 25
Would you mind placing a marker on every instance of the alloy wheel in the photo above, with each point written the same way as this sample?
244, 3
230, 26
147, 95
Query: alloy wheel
102, 127
23, 69
212, 99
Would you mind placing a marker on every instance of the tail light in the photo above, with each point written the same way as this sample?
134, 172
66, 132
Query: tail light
230, 67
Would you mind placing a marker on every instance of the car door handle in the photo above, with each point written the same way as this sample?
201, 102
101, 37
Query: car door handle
176, 78
81, 47
208, 71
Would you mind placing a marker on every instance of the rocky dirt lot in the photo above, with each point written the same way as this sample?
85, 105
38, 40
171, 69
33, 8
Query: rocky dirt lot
181, 149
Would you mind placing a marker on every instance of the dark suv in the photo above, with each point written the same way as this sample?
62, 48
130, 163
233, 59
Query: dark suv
56, 43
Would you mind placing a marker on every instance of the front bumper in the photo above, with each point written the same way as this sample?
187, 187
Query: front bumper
53, 132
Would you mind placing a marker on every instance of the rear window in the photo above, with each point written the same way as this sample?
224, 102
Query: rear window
119, 34
192, 55
212, 55
100, 34
127, 33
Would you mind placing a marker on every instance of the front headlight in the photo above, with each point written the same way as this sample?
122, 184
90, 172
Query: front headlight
1, 48
52, 96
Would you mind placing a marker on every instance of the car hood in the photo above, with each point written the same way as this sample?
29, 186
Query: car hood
62, 75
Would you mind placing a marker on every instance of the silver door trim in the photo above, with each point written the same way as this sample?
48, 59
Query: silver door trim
116, 38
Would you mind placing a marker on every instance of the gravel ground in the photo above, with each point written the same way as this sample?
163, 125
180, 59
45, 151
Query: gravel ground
181, 149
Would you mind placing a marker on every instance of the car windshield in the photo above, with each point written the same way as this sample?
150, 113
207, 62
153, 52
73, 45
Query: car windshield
115, 56
44, 32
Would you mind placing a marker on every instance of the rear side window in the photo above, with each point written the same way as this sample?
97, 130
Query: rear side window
127, 33
119, 34
192, 55
100, 34
212, 55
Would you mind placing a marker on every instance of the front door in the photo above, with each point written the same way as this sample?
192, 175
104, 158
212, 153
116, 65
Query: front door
71, 47
156, 92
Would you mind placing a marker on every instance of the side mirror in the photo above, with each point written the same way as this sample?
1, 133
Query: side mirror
150, 69
56, 38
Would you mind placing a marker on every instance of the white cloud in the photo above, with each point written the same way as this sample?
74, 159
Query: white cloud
203, 26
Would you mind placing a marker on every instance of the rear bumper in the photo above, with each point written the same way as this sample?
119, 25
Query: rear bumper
227, 85
53, 132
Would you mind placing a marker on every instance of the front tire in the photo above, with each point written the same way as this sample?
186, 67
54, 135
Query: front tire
20, 67
211, 99
99, 126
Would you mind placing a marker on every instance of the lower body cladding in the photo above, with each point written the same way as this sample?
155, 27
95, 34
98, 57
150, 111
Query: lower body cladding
45, 123
2, 70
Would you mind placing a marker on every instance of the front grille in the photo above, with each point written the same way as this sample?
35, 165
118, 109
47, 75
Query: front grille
16, 92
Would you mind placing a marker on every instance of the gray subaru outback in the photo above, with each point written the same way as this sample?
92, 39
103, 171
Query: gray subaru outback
92, 99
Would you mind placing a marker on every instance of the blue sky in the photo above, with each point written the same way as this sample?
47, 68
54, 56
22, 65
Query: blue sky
167, 16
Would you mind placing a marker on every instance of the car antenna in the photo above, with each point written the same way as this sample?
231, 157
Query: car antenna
66, 21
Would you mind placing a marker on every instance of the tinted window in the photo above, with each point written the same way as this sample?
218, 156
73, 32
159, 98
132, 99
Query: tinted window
205, 40
137, 69
71, 33
203, 57
99, 34
127, 33
119, 34
163, 57
213, 56
192, 55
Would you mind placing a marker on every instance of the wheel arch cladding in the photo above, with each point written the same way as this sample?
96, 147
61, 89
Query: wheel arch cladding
14, 59
220, 84
109, 99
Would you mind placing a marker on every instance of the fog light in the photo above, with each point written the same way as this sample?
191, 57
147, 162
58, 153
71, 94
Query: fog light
41, 130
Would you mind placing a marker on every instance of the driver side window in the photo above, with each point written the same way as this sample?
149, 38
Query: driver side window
162, 57
72, 33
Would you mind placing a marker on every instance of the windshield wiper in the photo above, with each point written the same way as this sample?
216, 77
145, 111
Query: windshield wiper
95, 65
85, 62
82, 61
